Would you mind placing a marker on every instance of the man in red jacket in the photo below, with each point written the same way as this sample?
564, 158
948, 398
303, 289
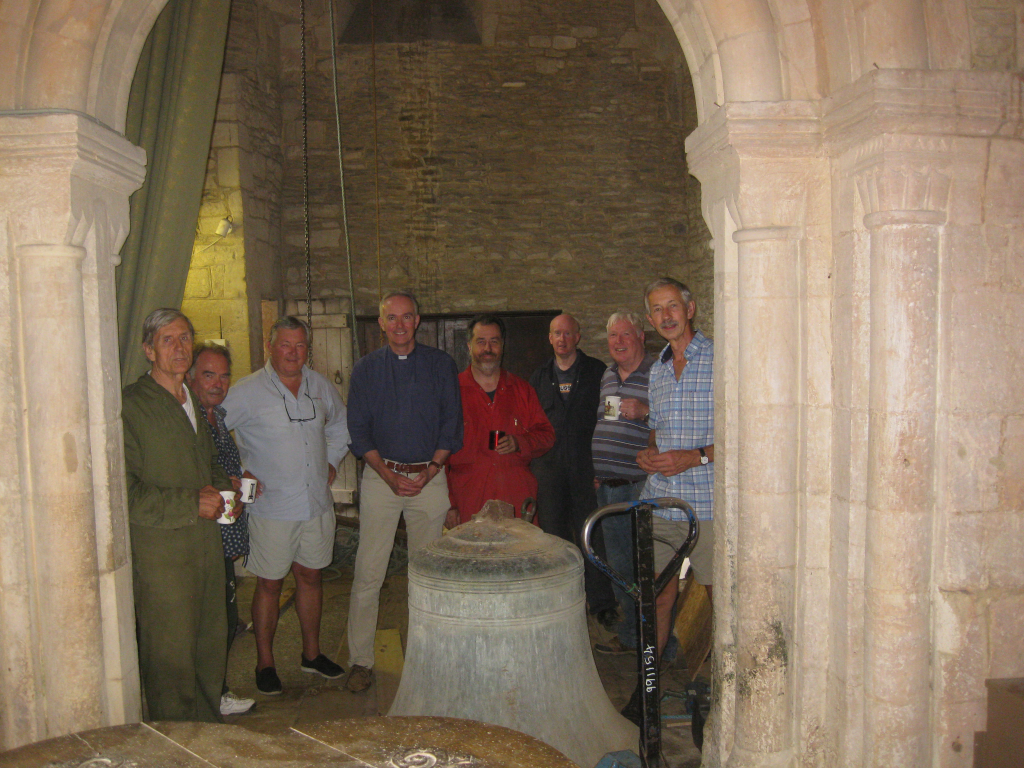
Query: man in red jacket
496, 402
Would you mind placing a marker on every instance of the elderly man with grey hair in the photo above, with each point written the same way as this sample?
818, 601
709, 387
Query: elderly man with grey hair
621, 433
292, 433
174, 483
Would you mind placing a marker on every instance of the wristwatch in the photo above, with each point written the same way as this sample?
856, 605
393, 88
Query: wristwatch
703, 456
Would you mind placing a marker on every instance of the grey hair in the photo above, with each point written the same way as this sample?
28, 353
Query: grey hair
630, 317
158, 318
216, 349
290, 323
392, 294
666, 282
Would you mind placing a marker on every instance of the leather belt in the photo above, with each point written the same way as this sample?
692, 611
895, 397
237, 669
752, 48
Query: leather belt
618, 482
405, 469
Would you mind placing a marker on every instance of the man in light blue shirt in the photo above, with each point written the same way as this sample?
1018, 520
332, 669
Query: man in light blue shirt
679, 459
291, 428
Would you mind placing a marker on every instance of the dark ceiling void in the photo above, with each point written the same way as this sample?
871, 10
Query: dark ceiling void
412, 21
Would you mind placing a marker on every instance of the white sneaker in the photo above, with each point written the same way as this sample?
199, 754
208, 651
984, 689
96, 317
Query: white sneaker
233, 705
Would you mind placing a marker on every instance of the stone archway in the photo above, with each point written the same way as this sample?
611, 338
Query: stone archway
861, 183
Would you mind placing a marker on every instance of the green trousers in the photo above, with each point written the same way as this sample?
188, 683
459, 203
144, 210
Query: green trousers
180, 618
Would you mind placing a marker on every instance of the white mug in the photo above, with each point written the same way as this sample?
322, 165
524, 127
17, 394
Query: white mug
248, 493
611, 407
229, 501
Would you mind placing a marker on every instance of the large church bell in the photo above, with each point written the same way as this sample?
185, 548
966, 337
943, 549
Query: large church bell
498, 633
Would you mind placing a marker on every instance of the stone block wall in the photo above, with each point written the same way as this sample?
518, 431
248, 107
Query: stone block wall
230, 276
979, 601
543, 169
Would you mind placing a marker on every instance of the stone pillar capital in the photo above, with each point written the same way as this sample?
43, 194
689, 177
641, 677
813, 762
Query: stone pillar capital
56, 167
760, 159
901, 186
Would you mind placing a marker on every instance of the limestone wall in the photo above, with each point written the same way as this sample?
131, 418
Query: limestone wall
231, 275
542, 169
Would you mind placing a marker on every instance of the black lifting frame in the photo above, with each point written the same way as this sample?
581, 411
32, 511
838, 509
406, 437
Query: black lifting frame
643, 592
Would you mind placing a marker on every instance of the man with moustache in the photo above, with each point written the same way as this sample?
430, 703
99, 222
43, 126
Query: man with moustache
209, 378
568, 387
617, 440
494, 400
405, 419
291, 430
679, 459
174, 483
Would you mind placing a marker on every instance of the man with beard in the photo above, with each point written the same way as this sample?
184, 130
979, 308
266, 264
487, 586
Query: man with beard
499, 404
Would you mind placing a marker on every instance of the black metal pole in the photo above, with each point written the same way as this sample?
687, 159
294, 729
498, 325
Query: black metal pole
644, 592
647, 637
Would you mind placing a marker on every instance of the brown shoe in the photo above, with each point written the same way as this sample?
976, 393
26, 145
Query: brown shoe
358, 679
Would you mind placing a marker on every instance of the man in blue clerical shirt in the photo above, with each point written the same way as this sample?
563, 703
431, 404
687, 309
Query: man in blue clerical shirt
405, 419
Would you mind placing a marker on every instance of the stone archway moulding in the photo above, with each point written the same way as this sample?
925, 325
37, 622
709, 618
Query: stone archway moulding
784, 89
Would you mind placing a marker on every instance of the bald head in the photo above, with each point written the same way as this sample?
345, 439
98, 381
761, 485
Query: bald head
564, 335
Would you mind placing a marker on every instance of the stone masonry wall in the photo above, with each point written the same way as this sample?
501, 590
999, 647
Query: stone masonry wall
543, 169
230, 276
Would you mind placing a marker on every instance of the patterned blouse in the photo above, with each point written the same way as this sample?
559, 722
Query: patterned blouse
236, 535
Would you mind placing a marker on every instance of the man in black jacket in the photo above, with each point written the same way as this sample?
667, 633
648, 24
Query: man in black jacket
569, 388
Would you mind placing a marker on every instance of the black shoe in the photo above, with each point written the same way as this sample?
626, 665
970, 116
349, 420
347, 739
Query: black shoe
267, 681
632, 710
613, 647
608, 618
322, 666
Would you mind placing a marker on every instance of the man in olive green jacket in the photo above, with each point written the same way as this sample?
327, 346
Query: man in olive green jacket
174, 484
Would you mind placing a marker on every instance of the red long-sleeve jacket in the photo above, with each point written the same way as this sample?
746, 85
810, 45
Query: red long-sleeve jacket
477, 474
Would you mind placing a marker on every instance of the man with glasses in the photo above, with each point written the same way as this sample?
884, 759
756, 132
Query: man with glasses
292, 433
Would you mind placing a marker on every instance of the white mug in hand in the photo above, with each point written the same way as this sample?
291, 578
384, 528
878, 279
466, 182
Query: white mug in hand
226, 518
248, 492
611, 407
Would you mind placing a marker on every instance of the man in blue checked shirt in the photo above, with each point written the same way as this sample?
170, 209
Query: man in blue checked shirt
680, 456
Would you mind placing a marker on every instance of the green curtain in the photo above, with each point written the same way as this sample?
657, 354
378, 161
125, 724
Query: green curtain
171, 109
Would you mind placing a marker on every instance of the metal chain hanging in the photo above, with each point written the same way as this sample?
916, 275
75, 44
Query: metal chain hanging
305, 168
341, 174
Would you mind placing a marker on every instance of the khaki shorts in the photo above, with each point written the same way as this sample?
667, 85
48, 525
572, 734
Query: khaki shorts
275, 544
675, 532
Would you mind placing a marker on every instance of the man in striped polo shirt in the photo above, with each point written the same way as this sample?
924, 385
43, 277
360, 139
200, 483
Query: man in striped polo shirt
617, 440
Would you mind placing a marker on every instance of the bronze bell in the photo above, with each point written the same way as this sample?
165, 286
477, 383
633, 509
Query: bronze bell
498, 633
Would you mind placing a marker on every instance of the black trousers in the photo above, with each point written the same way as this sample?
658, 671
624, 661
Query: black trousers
564, 501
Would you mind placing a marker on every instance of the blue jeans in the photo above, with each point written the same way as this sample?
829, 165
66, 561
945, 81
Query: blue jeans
618, 545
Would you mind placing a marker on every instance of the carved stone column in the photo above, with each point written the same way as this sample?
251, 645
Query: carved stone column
756, 164
769, 352
905, 196
66, 621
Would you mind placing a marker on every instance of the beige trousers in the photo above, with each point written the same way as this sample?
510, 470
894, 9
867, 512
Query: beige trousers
379, 510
